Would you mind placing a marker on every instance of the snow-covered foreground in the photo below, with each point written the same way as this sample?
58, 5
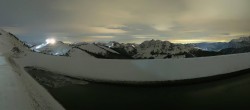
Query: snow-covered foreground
19, 91
13, 94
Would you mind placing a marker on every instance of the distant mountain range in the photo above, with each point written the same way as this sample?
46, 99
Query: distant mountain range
152, 49
217, 46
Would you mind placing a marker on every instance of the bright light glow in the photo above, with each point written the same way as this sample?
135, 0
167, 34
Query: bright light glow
50, 41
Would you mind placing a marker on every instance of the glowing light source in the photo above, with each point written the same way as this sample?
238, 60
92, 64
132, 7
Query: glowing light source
50, 41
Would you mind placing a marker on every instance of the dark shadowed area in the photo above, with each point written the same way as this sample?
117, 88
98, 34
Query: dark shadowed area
227, 93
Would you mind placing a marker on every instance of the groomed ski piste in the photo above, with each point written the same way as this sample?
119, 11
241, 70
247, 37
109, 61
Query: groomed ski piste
83, 66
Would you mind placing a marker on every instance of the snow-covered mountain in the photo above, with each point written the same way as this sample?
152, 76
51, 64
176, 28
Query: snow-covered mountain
128, 49
217, 46
211, 46
235, 50
240, 42
153, 49
161, 49
57, 48
97, 49
101, 51
241, 39
78, 49
76, 52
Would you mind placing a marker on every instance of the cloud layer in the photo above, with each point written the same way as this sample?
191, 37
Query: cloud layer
126, 20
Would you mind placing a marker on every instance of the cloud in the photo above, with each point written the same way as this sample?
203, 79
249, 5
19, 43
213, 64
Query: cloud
15, 30
104, 30
162, 27
103, 37
145, 36
169, 19
97, 38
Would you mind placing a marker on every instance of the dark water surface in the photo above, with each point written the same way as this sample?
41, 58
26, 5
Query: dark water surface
231, 93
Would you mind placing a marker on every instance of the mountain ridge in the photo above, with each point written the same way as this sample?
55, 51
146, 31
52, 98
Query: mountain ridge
150, 49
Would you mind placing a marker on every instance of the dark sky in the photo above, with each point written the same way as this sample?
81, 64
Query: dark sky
181, 21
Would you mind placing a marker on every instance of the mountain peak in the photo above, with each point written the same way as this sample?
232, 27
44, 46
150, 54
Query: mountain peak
241, 39
155, 43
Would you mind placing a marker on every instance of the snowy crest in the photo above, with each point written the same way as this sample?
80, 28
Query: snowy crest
8, 41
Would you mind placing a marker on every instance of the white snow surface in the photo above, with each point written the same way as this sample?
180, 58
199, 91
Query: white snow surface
77, 53
13, 94
97, 49
108, 49
138, 70
41, 98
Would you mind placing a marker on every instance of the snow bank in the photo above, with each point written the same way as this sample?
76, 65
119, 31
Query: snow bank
13, 94
138, 70
41, 99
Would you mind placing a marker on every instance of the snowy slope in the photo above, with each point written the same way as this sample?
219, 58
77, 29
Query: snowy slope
108, 49
8, 41
101, 51
77, 53
13, 94
41, 98
125, 49
59, 48
17, 84
139, 70
95, 49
